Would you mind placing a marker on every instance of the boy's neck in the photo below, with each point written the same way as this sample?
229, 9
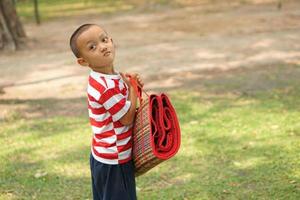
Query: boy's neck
105, 70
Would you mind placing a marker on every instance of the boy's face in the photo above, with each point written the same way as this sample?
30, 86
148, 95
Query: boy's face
96, 48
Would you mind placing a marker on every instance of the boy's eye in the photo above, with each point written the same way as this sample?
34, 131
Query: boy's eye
92, 47
105, 39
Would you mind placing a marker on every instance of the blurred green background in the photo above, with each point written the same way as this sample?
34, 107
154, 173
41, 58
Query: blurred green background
231, 68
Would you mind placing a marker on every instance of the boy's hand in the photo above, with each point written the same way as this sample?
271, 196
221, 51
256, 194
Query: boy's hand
125, 79
134, 76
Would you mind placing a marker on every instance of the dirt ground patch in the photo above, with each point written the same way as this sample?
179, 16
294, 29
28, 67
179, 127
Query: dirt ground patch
171, 48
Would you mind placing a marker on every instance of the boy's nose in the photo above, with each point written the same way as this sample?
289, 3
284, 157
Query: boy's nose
103, 49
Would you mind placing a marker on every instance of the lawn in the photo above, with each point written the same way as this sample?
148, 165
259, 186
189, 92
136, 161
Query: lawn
53, 9
240, 140
58, 9
66, 8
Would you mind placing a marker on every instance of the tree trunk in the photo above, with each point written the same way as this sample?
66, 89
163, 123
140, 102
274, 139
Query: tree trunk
279, 4
36, 12
11, 29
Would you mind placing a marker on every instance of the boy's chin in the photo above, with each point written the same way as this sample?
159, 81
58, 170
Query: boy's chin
104, 61
103, 65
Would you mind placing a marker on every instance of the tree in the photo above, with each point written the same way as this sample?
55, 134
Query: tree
36, 12
11, 29
279, 4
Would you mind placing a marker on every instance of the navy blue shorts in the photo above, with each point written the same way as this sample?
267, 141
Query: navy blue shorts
112, 182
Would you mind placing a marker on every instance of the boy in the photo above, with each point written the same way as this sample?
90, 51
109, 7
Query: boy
112, 106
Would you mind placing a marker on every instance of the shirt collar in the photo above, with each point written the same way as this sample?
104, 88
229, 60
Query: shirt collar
110, 76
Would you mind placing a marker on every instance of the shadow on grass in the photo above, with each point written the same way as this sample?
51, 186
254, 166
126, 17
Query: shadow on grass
276, 85
45, 108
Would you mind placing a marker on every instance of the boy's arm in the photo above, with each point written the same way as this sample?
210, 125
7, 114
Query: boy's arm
128, 118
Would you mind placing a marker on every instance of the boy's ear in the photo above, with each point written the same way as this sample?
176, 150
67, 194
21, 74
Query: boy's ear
82, 62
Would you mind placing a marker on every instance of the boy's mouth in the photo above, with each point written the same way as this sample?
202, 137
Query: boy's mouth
106, 53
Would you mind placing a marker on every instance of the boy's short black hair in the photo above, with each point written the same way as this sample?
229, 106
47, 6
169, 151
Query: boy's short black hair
75, 35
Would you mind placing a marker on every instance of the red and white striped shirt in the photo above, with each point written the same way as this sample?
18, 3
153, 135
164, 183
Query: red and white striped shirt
107, 103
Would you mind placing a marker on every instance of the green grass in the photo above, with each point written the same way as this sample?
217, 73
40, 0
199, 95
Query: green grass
55, 9
56, 149
66, 8
235, 145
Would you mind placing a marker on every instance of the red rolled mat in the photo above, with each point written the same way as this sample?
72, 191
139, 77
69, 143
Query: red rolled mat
164, 127
156, 133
